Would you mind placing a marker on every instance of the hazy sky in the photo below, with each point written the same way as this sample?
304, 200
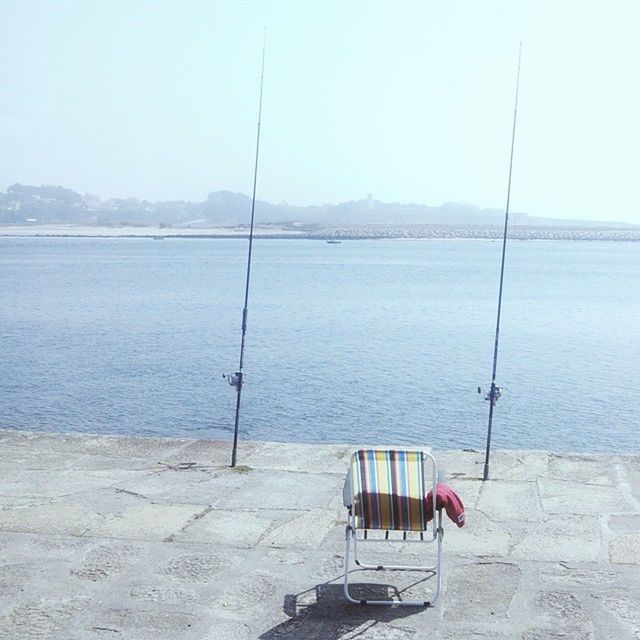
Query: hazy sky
411, 101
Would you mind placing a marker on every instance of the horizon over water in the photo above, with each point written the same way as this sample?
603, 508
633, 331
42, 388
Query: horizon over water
369, 341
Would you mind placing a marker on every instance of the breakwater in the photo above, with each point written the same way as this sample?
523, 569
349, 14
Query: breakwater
481, 233
117, 537
315, 232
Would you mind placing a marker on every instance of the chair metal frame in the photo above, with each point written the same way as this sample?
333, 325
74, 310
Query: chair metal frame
434, 528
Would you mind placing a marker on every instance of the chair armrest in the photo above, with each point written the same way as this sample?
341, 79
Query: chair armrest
347, 491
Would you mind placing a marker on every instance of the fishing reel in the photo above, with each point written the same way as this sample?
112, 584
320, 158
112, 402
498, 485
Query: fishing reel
497, 392
234, 379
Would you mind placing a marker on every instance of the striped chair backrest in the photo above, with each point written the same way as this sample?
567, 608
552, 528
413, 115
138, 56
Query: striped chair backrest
388, 489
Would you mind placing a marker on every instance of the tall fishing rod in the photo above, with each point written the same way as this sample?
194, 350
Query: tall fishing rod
495, 392
236, 379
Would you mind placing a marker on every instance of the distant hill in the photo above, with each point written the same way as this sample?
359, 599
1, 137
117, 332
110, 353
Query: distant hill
26, 204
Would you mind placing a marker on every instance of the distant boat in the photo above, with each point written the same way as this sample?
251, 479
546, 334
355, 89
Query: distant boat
334, 241
158, 237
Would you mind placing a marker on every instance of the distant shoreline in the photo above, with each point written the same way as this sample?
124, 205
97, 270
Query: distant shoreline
368, 232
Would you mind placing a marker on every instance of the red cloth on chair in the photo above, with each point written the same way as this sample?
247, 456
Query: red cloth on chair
447, 499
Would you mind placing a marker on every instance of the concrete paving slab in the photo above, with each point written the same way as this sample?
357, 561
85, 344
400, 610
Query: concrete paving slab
624, 523
163, 594
41, 619
624, 607
191, 567
107, 445
303, 531
517, 465
480, 537
562, 610
111, 502
191, 484
35, 441
20, 501
572, 577
625, 548
43, 483
467, 490
144, 624
510, 501
460, 464
589, 469
148, 521
53, 517
229, 631
239, 528
37, 553
563, 496
16, 577
300, 457
130, 447
631, 477
555, 634
21, 459
460, 633
281, 490
556, 540
484, 590
98, 462
212, 453
106, 559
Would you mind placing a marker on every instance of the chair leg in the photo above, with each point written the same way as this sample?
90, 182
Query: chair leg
347, 546
439, 561
349, 534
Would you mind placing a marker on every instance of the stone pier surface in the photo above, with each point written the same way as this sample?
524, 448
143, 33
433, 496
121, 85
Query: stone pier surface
148, 538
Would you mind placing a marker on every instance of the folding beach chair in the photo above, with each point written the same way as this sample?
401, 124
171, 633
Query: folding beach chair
385, 493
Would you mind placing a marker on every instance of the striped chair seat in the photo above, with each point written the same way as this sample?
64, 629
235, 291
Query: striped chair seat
388, 490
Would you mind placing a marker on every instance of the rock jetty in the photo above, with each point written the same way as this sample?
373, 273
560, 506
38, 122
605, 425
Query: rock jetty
149, 538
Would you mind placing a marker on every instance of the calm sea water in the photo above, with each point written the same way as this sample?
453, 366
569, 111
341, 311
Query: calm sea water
366, 341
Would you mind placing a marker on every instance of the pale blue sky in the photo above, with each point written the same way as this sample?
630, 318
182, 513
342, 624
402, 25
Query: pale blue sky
411, 101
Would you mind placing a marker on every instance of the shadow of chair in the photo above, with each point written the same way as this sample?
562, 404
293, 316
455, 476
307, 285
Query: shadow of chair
322, 613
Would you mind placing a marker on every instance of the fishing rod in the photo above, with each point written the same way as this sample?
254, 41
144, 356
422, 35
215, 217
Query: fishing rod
237, 379
495, 392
